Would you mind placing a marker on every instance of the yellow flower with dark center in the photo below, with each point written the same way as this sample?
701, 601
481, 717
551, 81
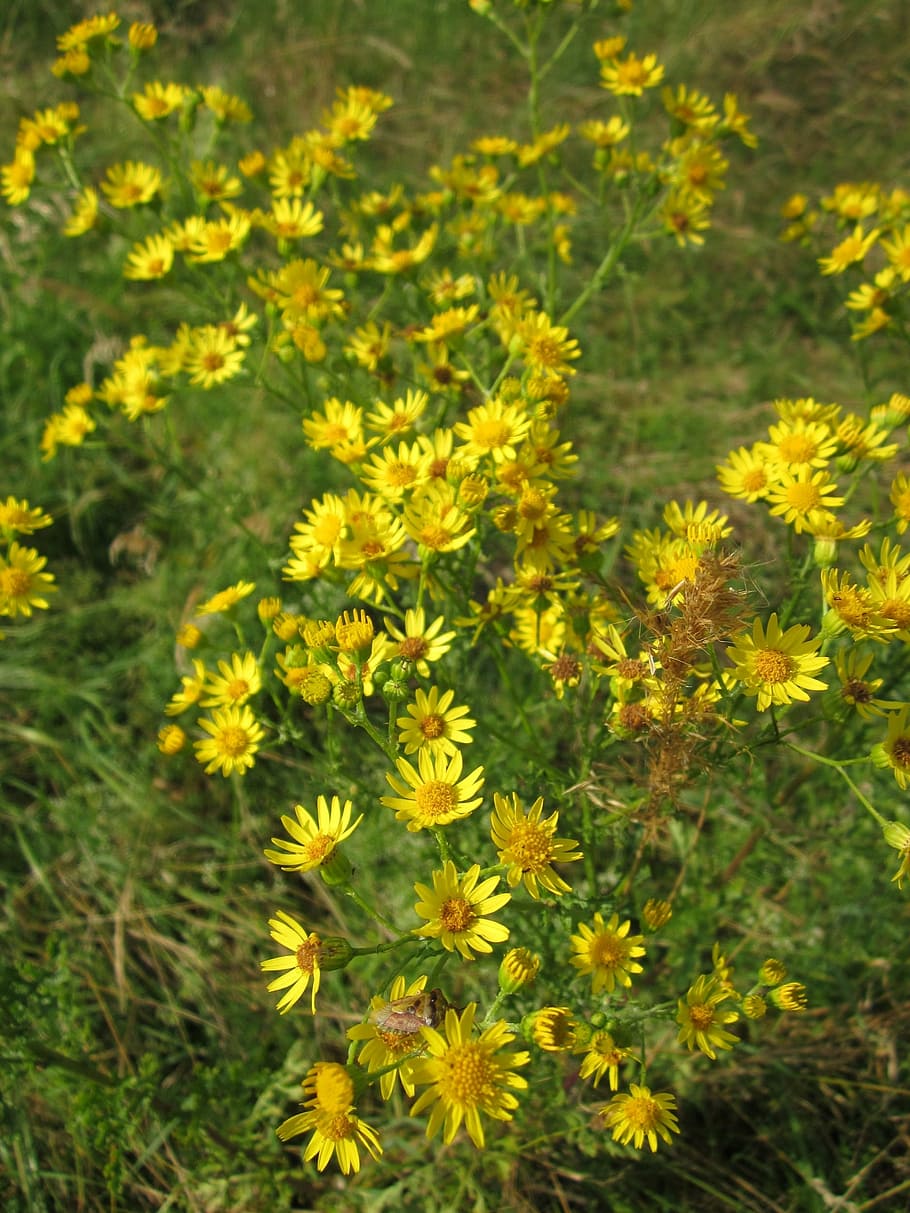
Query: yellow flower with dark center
432, 724
455, 907
338, 422
641, 1116
233, 742
777, 666
527, 844
130, 184
313, 841
150, 259
419, 642
218, 237
602, 1056
607, 953
851, 607
214, 357
629, 77
337, 1131
467, 1075
23, 585
702, 1021
745, 474
894, 751
300, 967
235, 682
435, 794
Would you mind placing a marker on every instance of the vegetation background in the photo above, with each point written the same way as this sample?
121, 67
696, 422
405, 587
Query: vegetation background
142, 1064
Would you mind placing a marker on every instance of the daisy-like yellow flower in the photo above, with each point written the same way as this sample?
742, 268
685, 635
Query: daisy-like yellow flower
745, 474
158, 100
418, 642
387, 1046
547, 347
702, 1020
641, 1116
213, 357
629, 77
17, 518
314, 842
435, 794
795, 496
17, 177
777, 666
190, 690
225, 599
433, 520
602, 1056
900, 499
233, 743
337, 1131
218, 237
856, 690
150, 259
83, 32
23, 585
300, 967
235, 682
130, 184
292, 219
607, 952
467, 1075
432, 724
554, 1029
851, 607
338, 422
455, 907
493, 428
894, 751
526, 842
850, 251
394, 474
897, 835
225, 106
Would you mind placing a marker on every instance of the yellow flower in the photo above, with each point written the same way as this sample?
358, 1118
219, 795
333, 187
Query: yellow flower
418, 642
149, 259
225, 599
190, 690
225, 106
238, 680
894, 751
433, 725
435, 794
897, 835
547, 347
602, 1055
849, 251
454, 910
171, 739
213, 357
629, 77
385, 1047
17, 518
130, 184
900, 499
796, 496
234, 741
292, 219
493, 428
641, 1116
554, 1029
337, 1131
607, 952
777, 666
467, 1075
142, 35
700, 1019
526, 843
23, 585
88, 30
17, 177
314, 842
393, 474
215, 239
300, 967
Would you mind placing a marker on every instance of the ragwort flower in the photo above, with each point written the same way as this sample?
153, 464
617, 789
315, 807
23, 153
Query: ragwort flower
385, 1046
700, 1019
314, 842
434, 794
454, 910
467, 1076
330, 1114
300, 967
894, 751
607, 952
641, 1116
527, 844
233, 742
432, 724
23, 584
777, 666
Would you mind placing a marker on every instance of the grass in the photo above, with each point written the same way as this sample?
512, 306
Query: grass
143, 1065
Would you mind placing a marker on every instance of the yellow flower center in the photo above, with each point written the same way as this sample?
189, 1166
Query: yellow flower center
434, 536
642, 1113
456, 915
773, 666
900, 752
15, 583
436, 799
490, 433
755, 480
529, 847
897, 610
433, 727
400, 474
702, 1016
233, 741
319, 847
469, 1077
237, 688
327, 530
212, 361
413, 648
852, 605
608, 952
803, 496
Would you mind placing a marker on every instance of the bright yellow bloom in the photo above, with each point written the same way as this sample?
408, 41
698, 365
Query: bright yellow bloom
641, 1116
385, 1046
393, 474
215, 239
17, 518
213, 357
418, 642
171, 740
629, 77
894, 751
607, 952
225, 106
314, 842
300, 967
745, 474
796, 496
897, 835
602, 1055
493, 428
777, 666
235, 682
233, 742
432, 724
554, 1029
142, 35
702, 1022
158, 100
435, 794
467, 1075
432, 519
455, 907
23, 585
547, 347
152, 258
337, 1130
292, 219
337, 423
17, 177
900, 499
526, 842
191, 686
225, 599
799, 444
856, 690
849, 251
89, 30
130, 184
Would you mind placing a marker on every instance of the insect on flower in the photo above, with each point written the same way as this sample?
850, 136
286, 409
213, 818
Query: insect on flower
410, 1014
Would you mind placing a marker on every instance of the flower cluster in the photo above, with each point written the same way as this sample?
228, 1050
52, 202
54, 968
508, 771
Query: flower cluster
24, 586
